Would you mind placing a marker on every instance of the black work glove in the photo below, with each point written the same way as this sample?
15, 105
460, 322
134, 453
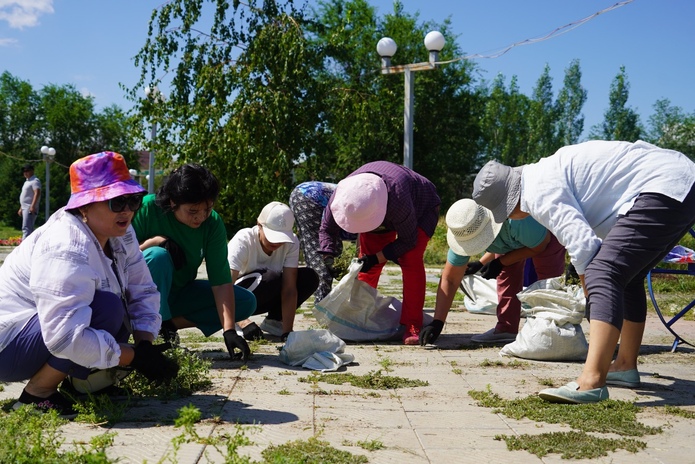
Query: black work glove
492, 269
329, 260
368, 262
234, 342
176, 252
150, 361
430, 333
473, 267
252, 332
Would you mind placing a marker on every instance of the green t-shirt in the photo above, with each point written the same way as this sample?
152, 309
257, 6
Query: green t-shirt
513, 235
208, 242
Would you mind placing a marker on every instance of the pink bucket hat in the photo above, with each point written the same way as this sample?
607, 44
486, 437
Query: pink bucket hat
359, 203
100, 177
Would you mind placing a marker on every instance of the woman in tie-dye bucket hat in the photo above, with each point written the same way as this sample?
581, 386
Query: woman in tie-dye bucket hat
75, 290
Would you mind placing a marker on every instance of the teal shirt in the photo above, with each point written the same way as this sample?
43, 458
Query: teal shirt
208, 242
513, 235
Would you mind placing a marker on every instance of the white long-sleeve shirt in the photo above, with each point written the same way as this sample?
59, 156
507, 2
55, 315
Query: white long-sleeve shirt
55, 273
579, 192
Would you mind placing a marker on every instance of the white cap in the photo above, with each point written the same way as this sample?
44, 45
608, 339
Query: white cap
277, 221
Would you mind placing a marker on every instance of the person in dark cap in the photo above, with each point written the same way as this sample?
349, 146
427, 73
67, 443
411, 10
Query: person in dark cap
618, 208
29, 200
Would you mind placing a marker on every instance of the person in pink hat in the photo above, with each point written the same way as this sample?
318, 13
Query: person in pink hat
395, 210
265, 260
76, 289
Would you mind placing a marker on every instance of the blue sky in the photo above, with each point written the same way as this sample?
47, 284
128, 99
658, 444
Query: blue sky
91, 44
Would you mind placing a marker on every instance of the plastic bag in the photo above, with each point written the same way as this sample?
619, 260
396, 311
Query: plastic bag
480, 294
552, 331
318, 350
357, 312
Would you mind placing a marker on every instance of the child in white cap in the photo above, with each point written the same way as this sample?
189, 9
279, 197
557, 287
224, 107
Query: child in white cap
265, 259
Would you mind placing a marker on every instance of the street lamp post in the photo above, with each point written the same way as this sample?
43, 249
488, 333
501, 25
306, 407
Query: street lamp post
434, 41
154, 93
49, 154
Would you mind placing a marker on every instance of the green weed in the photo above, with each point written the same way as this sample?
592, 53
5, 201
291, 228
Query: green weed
676, 411
100, 409
570, 445
374, 380
311, 451
194, 375
608, 416
27, 436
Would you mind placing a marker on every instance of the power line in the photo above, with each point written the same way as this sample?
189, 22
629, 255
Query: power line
554, 33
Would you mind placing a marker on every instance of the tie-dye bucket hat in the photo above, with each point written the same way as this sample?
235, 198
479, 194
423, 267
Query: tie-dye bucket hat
100, 177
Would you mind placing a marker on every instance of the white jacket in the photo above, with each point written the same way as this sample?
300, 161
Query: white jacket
579, 192
55, 273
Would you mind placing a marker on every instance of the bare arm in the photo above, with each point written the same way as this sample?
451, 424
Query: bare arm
35, 200
224, 300
289, 297
526, 252
155, 241
446, 291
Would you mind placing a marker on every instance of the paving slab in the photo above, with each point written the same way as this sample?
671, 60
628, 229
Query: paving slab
437, 423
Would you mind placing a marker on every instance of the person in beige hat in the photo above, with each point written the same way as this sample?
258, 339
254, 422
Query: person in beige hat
265, 260
472, 230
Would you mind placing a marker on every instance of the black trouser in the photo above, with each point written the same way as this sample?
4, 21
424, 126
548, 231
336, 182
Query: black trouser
635, 244
267, 286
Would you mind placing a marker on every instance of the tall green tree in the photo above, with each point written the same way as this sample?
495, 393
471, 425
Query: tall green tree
620, 121
569, 104
542, 117
241, 99
19, 131
505, 123
670, 127
58, 116
364, 109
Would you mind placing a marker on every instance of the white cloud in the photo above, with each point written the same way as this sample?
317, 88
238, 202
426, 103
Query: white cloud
7, 42
24, 13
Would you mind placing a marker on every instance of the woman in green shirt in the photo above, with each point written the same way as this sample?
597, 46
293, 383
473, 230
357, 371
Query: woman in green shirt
177, 229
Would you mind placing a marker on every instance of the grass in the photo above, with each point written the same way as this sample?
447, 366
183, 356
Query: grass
374, 380
9, 236
27, 436
610, 416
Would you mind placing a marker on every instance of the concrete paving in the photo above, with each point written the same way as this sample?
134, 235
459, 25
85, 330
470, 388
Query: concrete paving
438, 423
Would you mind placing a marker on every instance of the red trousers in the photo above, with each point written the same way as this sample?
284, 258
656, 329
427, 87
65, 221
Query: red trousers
412, 266
549, 263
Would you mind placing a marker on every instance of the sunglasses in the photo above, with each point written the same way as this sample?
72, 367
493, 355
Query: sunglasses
133, 202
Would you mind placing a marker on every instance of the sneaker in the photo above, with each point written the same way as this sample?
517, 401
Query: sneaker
272, 326
55, 402
491, 337
570, 394
411, 336
629, 378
